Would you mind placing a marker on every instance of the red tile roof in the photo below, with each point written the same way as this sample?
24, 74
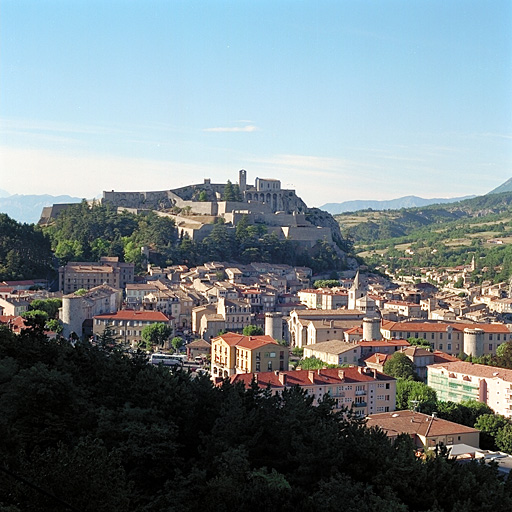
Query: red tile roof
128, 314
378, 358
383, 343
475, 370
325, 376
441, 327
249, 342
415, 423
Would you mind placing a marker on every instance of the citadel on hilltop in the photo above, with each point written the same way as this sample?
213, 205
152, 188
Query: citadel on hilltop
196, 209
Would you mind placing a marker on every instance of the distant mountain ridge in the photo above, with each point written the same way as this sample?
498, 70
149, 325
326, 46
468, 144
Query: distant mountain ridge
392, 204
504, 187
27, 208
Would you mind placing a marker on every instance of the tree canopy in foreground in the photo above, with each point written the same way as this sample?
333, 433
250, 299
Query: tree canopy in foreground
82, 428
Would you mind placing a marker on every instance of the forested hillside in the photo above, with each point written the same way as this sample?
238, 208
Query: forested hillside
89, 430
438, 236
83, 233
25, 251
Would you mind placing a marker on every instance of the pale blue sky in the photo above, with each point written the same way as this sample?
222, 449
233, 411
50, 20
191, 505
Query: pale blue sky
340, 100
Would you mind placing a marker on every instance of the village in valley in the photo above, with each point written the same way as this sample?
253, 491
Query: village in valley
349, 334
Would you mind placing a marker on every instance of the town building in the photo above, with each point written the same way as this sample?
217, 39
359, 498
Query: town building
14, 307
234, 353
299, 321
460, 380
426, 431
364, 390
77, 311
86, 275
334, 352
127, 325
452, 338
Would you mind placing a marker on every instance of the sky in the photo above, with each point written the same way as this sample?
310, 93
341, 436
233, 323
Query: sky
340, 100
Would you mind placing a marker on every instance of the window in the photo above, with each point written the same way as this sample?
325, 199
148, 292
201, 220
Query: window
432, 336
449, 346
490, 347
440, 346
387, 385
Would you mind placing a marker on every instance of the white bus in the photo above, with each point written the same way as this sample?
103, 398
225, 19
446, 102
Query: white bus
166, 360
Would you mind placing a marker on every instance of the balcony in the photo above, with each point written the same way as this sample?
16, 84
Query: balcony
361, 392
359, 404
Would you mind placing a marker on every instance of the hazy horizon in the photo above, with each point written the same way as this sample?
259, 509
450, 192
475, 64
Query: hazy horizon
341, 101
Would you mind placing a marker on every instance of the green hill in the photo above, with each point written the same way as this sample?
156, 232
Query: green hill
437, 235
504, 187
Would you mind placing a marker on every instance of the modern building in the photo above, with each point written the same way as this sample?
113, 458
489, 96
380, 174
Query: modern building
458, 381
364, 390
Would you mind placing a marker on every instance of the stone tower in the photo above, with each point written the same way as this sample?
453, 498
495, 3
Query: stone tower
355, 292
242, 180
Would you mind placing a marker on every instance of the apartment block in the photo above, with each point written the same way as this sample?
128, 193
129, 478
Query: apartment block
364, 390
458, 381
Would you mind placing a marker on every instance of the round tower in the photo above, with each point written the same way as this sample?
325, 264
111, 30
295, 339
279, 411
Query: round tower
473, 342
371, 329
274, 325
72, 315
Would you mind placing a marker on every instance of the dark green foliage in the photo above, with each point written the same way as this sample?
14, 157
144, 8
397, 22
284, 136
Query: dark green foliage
25, 251
85, 233
326, 283
419, 342
400, 367
50, 306
252, 330
489, 426
412, 394
467, 412
101, 431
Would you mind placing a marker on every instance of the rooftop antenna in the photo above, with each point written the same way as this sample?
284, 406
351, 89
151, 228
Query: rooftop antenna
415, 404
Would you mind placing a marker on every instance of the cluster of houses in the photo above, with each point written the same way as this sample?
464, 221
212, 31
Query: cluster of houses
358, 325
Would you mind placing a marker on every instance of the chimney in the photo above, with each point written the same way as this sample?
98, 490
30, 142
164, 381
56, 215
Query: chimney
255, 377
341, 374
282, 378
360, 369
311, 376
331, 324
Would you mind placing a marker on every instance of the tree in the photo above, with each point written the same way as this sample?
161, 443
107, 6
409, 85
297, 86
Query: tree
489, 426
156, 334
54, 325
400, 367
326, 283
504, 438
50, 306
203, 196
411, 394
313, 363
177, 342
419, 342
229, 192
252, 330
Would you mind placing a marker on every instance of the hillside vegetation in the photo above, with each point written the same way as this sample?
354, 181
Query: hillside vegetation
86, 429
437, 235
84, 233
